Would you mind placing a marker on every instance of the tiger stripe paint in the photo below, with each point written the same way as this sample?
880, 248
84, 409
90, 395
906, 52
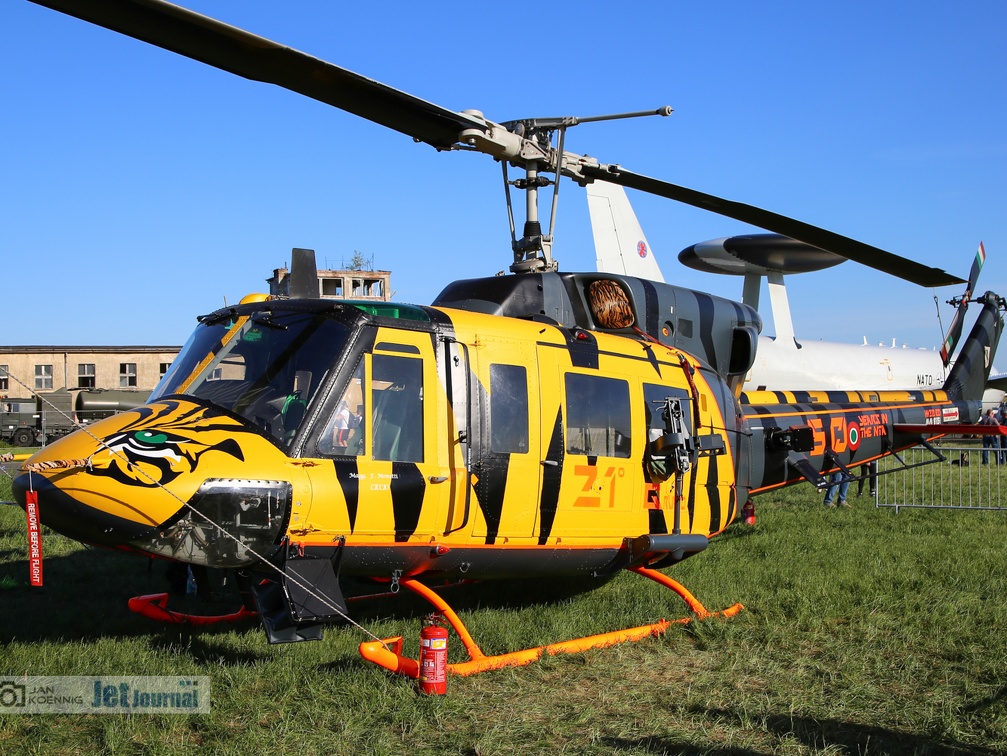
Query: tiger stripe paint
441, 500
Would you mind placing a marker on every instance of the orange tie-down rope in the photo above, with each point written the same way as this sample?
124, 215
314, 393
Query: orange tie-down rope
387, 652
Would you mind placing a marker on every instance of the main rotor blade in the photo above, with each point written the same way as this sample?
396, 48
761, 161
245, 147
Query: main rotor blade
865, 254
217, 44
234, 50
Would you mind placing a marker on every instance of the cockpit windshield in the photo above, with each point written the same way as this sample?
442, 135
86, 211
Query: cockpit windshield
264, 365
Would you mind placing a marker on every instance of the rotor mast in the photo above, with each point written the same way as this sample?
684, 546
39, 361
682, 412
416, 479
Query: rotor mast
528, 143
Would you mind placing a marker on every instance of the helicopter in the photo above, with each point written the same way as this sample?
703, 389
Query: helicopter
540, 425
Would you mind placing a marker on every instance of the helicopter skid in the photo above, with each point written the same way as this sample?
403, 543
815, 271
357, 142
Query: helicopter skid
155, 606
387, 652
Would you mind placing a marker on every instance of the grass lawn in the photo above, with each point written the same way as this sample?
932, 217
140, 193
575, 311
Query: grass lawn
865, 632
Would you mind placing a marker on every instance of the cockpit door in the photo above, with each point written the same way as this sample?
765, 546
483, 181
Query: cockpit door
459, 433
387, 435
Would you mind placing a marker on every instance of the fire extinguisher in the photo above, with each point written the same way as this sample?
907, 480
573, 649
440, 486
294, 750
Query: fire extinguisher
434, 656
748, 513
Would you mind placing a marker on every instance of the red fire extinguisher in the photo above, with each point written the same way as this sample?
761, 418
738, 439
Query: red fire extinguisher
434, 656
748, 513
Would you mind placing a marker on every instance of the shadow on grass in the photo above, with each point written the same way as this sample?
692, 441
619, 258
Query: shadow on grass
815, 734
996, 698
668, 746
200, 647
84, 596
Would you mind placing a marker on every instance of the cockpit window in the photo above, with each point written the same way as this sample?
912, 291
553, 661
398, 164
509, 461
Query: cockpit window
265, 365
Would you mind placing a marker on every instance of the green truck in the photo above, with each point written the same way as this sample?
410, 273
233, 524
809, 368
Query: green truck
45, 417
18, 421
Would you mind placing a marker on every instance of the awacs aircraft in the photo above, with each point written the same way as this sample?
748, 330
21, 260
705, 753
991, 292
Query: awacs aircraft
540, 425
783, 361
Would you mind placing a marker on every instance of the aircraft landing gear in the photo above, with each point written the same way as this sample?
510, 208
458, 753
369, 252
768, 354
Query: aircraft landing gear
387, 653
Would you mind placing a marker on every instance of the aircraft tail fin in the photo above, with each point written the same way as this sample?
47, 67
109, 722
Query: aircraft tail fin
955, 330
967, 379
619, 243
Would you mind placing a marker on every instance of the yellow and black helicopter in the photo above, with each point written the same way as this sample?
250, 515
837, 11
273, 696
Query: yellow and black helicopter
542, 424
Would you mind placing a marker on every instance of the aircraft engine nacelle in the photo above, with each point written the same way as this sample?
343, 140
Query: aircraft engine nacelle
721, 332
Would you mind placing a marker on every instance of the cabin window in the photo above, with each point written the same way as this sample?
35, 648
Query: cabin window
508, 409
264, 365
598, 421
397, 408
344, 433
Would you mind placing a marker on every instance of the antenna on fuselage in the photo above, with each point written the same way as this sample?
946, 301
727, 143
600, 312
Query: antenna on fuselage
303, 274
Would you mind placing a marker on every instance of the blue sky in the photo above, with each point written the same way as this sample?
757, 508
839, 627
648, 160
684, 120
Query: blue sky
141, 189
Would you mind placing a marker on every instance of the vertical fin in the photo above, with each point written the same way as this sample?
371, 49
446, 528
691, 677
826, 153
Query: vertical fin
619, 243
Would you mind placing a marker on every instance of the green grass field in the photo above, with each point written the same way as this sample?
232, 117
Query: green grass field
865, 632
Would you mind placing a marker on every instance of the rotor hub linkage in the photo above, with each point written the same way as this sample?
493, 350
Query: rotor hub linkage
538, 181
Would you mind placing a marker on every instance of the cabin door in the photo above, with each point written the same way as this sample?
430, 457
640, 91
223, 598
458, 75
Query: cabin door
507, 468
590, 463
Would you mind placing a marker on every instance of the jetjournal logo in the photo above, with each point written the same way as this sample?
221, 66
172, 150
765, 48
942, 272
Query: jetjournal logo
104, 695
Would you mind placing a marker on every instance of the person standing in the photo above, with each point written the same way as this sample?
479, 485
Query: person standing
989, 441
837, 483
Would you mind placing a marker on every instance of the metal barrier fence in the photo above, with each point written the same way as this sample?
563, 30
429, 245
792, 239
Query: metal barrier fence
970, 477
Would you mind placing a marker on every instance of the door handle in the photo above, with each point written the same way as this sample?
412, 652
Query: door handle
550, 463
437, 478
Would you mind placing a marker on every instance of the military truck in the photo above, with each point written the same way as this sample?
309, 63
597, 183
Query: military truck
48, 416
64, 410
19, 421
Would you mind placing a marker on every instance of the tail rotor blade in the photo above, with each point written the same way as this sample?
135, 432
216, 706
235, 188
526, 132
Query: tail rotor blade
955, 330
977, 265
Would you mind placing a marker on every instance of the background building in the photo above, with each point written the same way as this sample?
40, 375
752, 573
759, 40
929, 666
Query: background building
355, 282
27, 369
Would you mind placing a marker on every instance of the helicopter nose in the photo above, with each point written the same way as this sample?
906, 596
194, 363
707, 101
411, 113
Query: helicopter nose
172, 478
60, 510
